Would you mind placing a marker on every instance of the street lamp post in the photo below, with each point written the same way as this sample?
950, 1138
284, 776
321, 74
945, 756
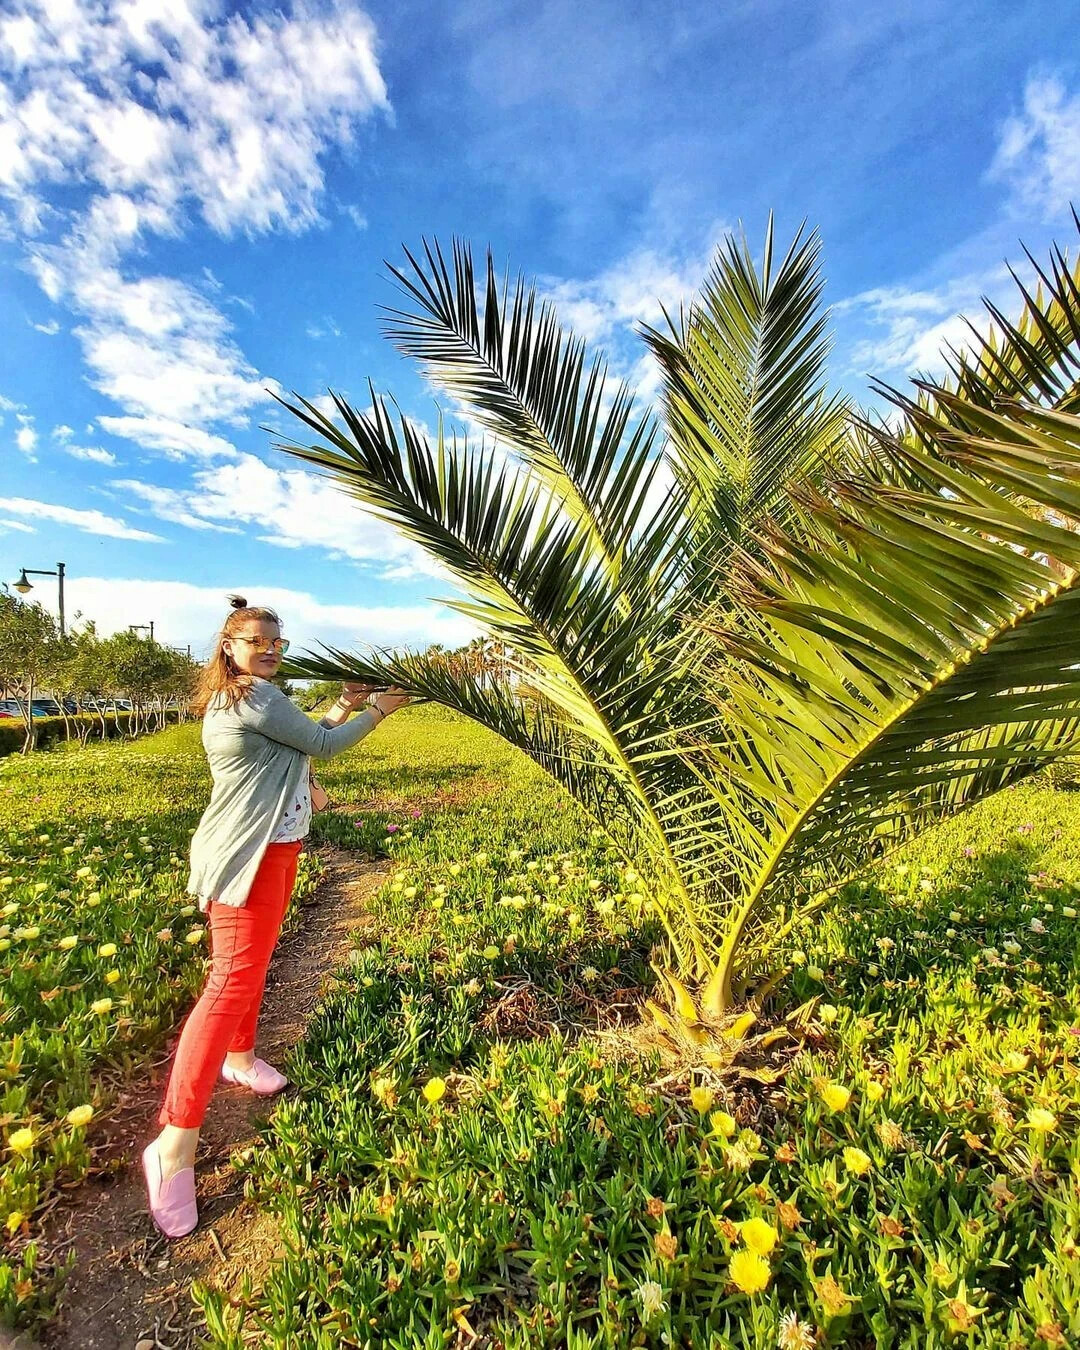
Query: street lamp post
133, 627
22, 585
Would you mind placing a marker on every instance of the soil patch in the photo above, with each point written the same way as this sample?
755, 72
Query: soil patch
130, 1285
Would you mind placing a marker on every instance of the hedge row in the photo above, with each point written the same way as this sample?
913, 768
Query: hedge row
50, 729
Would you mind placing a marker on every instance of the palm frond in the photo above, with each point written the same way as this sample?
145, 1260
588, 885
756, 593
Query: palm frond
908, 654
529, 382
744, 396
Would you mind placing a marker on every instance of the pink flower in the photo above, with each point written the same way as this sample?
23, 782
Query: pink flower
415, 814
969, 852
391, 828
359, 824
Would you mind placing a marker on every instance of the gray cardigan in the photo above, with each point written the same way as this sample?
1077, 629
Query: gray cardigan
259, 757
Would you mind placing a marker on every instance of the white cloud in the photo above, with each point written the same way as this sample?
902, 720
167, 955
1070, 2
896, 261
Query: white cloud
1038, 154
184, 613
17, 525
894, 329
91, 452
93, 522
182, 104
50, 329
62, 434
150, 113
175, 439
290, 508
170, 504
635, 289
607, 309
26, 437
328, 328
356, 216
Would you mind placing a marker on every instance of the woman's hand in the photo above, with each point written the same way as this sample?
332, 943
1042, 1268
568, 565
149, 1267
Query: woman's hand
390, 700
353, 693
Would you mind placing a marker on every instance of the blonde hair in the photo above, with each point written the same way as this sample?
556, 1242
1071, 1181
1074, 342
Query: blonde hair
220, 675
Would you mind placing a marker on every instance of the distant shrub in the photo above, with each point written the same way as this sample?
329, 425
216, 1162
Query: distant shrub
50, 730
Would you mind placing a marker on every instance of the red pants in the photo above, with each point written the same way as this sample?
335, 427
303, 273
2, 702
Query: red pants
242, 940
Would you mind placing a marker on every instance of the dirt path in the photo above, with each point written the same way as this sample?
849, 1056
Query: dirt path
130, 1285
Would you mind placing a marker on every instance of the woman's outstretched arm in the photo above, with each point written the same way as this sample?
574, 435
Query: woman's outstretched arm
270, 712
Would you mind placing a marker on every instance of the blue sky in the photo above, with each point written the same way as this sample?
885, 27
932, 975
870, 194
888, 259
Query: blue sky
196, 203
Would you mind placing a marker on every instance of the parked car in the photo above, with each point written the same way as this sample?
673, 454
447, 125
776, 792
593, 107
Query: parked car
42, 707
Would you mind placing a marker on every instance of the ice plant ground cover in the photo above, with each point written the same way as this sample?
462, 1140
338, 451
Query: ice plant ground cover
449, 1164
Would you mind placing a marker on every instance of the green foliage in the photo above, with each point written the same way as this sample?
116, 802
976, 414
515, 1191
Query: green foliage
558, 1193
829, 634
555, 1192
84, 726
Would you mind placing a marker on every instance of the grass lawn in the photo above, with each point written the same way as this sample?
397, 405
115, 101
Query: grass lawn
465, 1156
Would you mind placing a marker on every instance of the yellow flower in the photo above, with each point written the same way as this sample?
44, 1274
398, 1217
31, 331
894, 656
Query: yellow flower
107, 949
435, 1090
101, 1006
827, 1012
701, 1098
385, 1091
855, 1160
111, 976
960, 1315
1039, 1118
1015, 1062
80, 1115
15, 1221
84, 872
491, 952
409, 892
22, 1141
196, 935
890, 1134
66, 943
873, 1092
749, 1272
834, 1298
723, 1124
834, 1095
759, 1236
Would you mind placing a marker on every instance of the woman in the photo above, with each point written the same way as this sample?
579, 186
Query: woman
243, 865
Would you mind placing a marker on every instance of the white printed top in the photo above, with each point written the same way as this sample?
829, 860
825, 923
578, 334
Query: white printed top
295, 820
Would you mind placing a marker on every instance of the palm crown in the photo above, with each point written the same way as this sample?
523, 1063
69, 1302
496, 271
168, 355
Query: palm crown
769, 638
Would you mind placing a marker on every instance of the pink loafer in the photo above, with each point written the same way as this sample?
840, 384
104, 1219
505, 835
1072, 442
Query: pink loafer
172, 1202
262, 1078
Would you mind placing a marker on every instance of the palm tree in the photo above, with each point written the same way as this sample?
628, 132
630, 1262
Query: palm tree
770, 638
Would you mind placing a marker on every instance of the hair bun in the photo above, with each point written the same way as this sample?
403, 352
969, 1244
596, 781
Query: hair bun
237, 602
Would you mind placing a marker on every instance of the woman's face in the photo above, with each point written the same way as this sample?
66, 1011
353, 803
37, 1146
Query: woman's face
245, 653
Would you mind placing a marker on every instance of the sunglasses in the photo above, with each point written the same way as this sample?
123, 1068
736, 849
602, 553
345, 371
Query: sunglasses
278, 645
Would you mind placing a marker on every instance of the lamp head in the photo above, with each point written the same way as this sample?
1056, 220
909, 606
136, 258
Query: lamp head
23, 585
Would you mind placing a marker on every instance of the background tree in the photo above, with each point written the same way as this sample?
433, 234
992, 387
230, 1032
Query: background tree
28, 644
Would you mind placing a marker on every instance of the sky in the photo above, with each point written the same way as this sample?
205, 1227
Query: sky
198, 203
